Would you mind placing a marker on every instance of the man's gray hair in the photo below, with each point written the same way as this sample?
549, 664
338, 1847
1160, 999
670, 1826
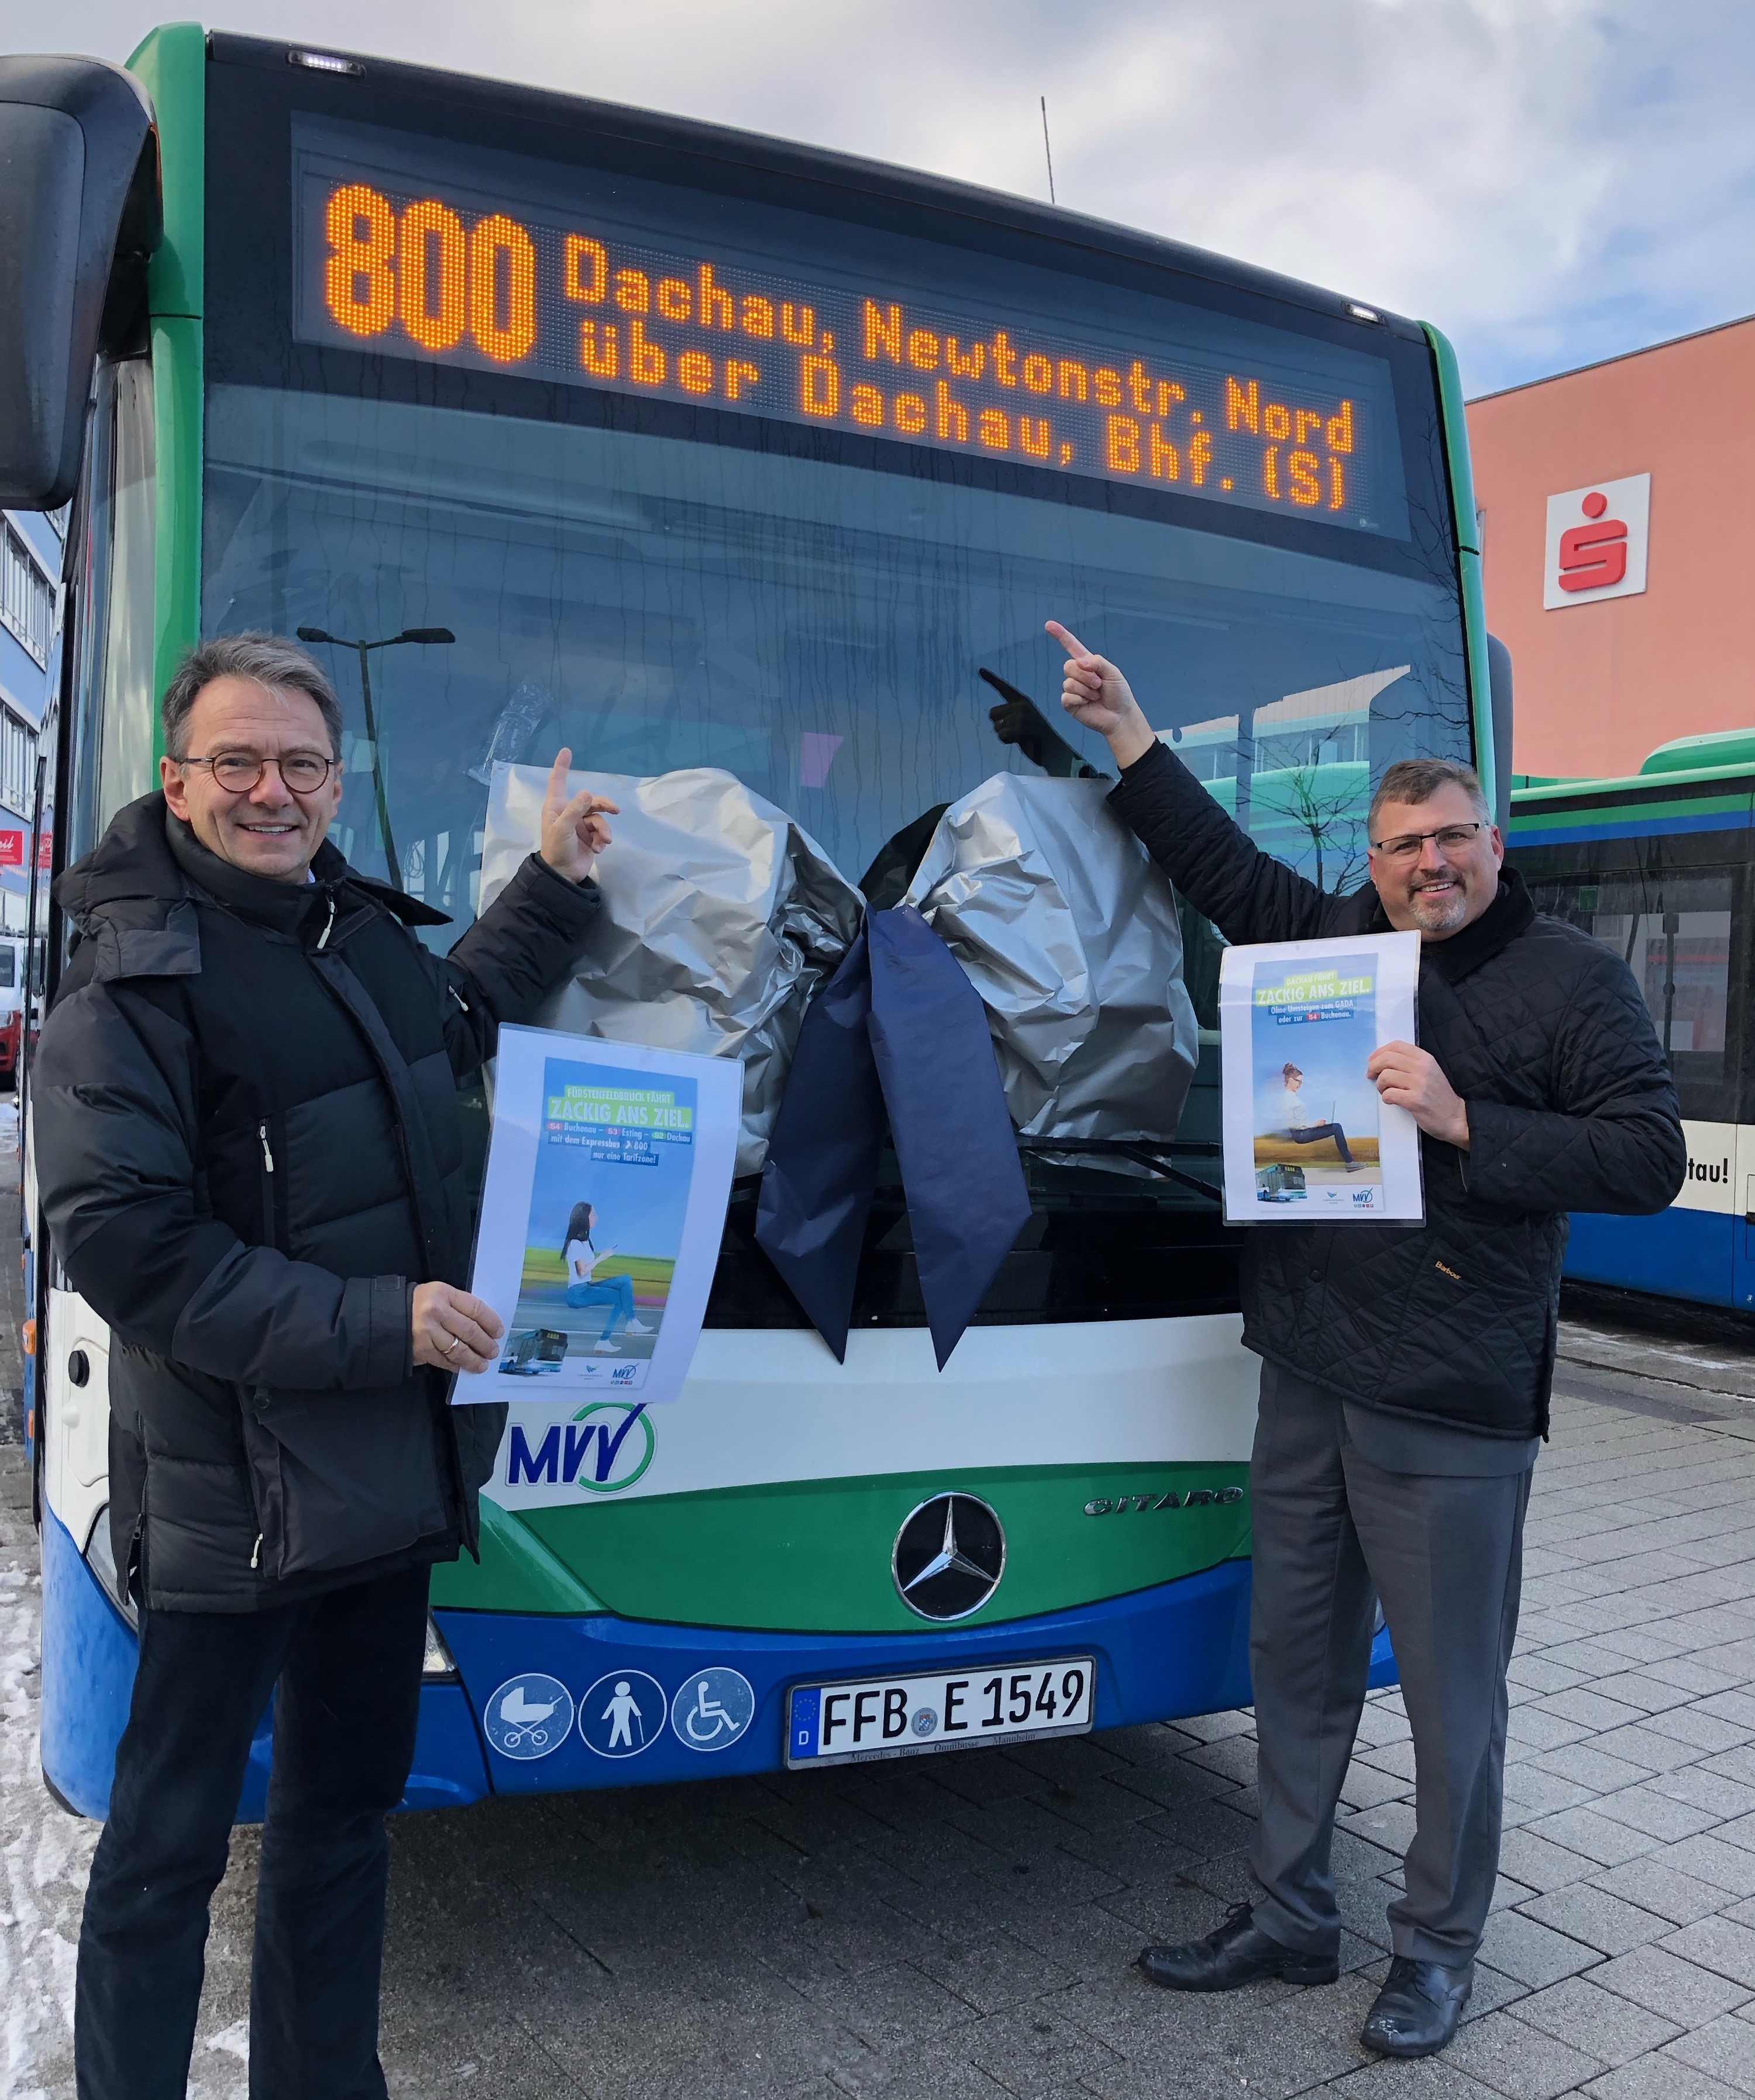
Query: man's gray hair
265, 660
1413, 780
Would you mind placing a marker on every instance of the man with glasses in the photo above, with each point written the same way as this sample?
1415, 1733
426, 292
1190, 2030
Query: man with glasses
1405, 1372
251, 1157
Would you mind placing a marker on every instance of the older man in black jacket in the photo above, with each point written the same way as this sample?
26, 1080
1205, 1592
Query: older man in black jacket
250, 1156
1406, 1372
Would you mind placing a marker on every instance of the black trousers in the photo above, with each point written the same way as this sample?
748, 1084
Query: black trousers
347, 1666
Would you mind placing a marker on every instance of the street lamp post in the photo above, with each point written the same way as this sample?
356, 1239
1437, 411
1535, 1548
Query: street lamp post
427, 636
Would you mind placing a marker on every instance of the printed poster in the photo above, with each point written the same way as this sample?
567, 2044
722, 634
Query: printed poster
1307, 1136
608, 1175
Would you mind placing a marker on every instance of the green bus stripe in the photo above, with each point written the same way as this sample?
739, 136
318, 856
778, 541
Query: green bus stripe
176, 416
1455, 433
517, 1572
814, 1556
171, 64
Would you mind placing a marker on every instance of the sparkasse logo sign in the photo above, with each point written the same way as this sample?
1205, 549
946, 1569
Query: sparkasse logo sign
1597, 537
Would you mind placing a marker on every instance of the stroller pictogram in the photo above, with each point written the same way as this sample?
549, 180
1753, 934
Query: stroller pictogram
528, 1716
523, 1721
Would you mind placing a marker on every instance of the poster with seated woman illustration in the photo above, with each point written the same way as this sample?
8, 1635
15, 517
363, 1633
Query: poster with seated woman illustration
605, 1198
1306, 1135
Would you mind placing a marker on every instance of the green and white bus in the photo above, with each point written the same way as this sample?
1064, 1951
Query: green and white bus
732, 453
1660, 865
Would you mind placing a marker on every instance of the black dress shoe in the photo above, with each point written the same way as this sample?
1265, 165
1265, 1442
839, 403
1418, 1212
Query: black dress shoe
1418, 2007
1233, 1955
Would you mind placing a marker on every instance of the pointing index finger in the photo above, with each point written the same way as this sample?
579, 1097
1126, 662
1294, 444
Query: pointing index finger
556, 797
1068, 640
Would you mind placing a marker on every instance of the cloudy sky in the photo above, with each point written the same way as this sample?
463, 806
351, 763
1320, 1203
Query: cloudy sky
1550, 181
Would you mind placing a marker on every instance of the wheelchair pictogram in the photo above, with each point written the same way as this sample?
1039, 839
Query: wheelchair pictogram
713, 1709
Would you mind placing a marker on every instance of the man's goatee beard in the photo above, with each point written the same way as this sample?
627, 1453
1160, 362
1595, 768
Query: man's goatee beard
1434, 920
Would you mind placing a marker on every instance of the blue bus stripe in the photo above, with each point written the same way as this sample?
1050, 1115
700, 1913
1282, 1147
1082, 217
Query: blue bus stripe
1623, 827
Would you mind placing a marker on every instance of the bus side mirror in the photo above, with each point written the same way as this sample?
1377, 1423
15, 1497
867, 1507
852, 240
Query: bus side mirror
80, 213
1499, 690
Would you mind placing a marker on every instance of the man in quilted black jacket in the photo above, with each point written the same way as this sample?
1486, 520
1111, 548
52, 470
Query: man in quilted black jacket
1405, 1372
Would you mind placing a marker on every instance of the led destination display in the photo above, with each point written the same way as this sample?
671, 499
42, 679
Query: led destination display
447, 273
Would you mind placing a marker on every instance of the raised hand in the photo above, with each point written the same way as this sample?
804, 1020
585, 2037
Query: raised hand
575, 831
1096, 695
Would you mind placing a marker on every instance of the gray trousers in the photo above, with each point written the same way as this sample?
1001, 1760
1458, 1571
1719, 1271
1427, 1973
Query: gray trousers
1335, 1532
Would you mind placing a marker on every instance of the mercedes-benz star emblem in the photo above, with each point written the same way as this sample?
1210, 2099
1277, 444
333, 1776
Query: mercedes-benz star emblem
949, 1556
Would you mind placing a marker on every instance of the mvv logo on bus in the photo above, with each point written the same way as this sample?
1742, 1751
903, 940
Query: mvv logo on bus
605, 1448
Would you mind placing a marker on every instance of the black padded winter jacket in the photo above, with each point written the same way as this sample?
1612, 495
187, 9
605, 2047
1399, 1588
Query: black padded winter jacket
249, 1149
1543, 1033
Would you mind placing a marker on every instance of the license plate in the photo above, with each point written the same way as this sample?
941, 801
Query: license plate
901, 1717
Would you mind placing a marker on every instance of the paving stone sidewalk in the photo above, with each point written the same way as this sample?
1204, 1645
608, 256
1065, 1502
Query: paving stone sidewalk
962, 1927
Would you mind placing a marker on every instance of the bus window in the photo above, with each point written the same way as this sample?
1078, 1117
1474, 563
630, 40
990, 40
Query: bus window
1673, 931
8, 967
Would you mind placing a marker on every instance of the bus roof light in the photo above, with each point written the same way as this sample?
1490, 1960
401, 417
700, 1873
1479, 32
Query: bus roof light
327, 62
1360, 313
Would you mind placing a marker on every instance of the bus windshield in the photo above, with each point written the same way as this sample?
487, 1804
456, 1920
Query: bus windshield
699, 477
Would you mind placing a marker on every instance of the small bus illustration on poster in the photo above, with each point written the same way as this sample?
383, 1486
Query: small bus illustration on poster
1306, 1135
609, 1170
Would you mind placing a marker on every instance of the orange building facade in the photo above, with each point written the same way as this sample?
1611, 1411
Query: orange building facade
1617, 509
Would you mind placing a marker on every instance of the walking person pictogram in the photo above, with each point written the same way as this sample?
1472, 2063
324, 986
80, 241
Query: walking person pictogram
623, 1714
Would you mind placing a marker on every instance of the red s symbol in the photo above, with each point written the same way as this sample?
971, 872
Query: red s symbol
1594, 556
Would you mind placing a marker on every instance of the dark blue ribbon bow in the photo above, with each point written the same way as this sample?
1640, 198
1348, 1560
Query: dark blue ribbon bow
898, 1029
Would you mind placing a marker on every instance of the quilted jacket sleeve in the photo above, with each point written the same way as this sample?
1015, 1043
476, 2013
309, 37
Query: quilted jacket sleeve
519, 948
1612, 1139
112, 1131
1248, 895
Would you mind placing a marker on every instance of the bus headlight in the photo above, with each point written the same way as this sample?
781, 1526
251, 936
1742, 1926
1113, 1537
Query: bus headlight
436, 1664
101, 1559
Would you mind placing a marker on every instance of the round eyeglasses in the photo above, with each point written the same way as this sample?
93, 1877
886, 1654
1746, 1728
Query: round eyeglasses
304, 772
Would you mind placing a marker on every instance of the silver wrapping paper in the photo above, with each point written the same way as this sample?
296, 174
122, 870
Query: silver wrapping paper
721, 917
1069, 933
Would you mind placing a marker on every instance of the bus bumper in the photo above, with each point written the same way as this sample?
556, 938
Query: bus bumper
1180, 1648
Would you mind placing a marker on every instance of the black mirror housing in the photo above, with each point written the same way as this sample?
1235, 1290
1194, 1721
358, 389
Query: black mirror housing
80, 213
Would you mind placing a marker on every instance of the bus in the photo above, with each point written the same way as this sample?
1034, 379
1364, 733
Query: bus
15, 968
1660, 865
690, 448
